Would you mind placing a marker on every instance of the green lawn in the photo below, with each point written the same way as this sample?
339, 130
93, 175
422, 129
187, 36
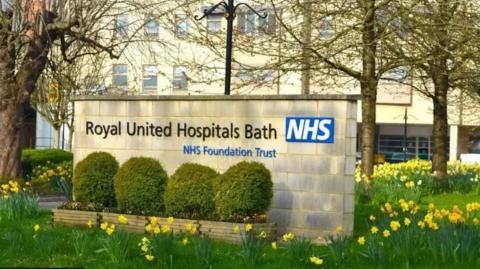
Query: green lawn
57, 246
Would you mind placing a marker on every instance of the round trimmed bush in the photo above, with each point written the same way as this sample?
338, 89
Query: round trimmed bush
189, 191
245, 189
93, 179
140, 185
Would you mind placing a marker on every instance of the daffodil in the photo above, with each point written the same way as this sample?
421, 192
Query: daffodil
166, 229
395, 225
372, 218
157, 230
386, 233
104, 226
236, 229
36, 228
361, 240
90, 223
122, 219
149, 257
339, 229
316, 260
149, 228
153, 220
374, 230
262, 235
288, 237
170, 220
274, 245
248, 227
185, 241
407, 221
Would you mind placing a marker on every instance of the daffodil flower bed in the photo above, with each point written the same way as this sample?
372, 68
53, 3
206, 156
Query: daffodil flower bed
143, 224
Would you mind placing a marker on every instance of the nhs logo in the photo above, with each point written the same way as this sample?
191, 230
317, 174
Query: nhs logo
310, 130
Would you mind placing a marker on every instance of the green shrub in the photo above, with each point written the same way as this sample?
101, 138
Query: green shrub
32, 158
93, 179
245, 189
140, 185
189, 191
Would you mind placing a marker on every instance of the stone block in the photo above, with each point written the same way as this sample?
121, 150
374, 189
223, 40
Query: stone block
303, 108
322, 202
300, 182
348, 203
329, 184
139, 109
117, 109
87, 108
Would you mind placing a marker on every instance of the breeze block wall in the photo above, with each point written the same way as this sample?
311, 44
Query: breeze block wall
313, 182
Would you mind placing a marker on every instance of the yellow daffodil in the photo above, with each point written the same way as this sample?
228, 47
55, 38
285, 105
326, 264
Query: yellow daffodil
36, 228
475, 221
122, 219
288, 237
248, 227
110, 231
170, 220
166, 229
407, 221
421, 224
372, 218
236, 229
395, 225
144, 248
374, 230
90, 223
185, 241
316, 260
274, 245
339, 229
149, 257
148, 228
157, 230
153, 220
361, 240
104, 226
386, 233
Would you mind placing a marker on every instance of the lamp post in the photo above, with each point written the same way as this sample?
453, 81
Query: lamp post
230, 10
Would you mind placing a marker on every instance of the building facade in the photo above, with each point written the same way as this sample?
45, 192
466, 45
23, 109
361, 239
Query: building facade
178, 55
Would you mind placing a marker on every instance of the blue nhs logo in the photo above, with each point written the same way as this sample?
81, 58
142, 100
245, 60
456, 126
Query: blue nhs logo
310, 130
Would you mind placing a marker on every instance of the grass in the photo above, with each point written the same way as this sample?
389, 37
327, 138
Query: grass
59, 246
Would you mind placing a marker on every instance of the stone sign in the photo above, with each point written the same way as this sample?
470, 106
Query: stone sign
307, 142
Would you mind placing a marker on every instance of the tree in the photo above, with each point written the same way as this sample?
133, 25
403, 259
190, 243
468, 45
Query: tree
28, 30
441, 42
59, 83
354, 50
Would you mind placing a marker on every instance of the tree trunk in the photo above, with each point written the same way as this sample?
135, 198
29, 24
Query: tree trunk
369, 84
307, 41
440, 130
70, 139
56, 137
10, 134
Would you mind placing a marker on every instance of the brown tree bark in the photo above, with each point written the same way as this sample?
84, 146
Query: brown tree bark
10, 133
369, 85
440, 129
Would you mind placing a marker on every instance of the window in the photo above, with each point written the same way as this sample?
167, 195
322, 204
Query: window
181, 25
214, 24
244, 74
180, 77
249, 22
417, 147
121, 26
151, 27
120, 75
150, 73
327, 28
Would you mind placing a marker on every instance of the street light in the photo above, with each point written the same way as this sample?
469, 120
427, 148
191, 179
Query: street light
230, 10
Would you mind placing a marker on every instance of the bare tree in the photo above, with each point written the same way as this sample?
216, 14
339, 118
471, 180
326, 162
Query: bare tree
441, 42
28, 30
